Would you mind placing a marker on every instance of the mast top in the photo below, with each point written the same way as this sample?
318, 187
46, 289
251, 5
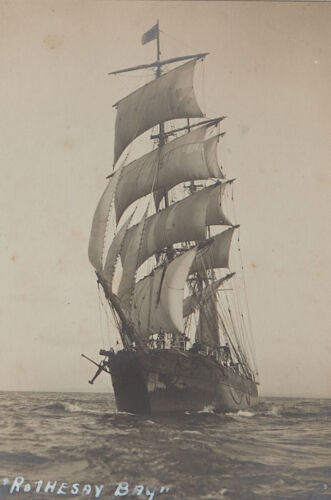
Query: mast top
154, 34
160, 63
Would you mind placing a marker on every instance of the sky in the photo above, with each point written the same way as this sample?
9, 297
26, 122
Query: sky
268, 71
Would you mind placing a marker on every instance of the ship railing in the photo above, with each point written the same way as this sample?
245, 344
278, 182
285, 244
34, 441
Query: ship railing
205, 351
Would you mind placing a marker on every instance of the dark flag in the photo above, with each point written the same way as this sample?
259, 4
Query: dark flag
149, 35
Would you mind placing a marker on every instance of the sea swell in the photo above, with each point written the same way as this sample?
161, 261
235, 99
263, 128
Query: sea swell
278, 449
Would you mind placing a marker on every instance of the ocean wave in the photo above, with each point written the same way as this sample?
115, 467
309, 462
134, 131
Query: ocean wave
275, 411
67, 407
207, 409
218, 495
115, 412
242, 413
74, 408
21, 458
294, 413
256, 453
51, 406
197, 433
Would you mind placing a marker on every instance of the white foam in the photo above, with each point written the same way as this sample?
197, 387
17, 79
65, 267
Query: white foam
198, 433
207, 409
75, 408
241, 413
72, 408
274, 411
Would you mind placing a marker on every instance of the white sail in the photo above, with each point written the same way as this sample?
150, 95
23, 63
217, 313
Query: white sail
158, 299
113, 253
166, 98
185, 220
215, 214
192, 302
130, 265
99, 224
191, 157
215, 255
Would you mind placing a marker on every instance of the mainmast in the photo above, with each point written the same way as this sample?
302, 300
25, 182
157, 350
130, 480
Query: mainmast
161, 137
158, 50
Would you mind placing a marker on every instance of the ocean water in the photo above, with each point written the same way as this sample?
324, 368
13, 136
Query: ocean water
279, 449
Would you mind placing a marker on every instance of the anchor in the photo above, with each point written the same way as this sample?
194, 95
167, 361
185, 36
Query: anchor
102, 367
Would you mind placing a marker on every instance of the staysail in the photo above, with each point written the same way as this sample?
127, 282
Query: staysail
169, 97
99, 224
130, 265
113, 253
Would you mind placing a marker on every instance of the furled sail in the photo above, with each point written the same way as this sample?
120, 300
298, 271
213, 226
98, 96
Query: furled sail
158, 299
215, 255
166, 98
191, 157
99, 224
185, 220
192, 302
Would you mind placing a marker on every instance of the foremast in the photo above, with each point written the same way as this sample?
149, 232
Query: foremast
178, 234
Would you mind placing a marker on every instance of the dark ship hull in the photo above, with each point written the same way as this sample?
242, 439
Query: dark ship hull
168, 380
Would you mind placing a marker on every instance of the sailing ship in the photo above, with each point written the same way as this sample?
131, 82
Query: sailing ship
160, 246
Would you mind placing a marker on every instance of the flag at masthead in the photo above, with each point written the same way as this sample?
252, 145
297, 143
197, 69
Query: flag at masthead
150, 35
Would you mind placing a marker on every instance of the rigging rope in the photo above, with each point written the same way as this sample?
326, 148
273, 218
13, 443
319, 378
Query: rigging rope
250, 328
170, 35
100, 317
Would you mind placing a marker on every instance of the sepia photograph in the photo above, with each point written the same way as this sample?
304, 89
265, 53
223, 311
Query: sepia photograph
165, 291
